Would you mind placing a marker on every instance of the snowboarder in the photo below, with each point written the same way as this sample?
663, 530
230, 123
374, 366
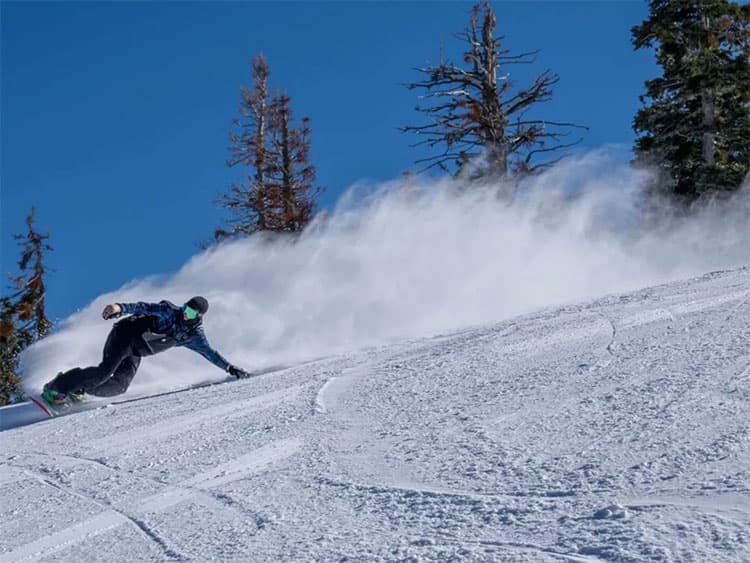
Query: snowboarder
151, 328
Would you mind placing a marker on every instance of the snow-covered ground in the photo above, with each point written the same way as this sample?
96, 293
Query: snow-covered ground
616, 430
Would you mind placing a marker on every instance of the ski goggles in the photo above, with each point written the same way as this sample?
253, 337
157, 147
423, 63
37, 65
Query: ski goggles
190, 313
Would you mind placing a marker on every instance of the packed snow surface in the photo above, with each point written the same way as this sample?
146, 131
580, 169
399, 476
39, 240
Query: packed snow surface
615, 430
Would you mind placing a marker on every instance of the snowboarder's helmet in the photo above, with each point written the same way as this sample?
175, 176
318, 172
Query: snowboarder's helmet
199, 304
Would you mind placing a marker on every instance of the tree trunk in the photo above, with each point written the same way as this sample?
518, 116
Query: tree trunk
261, 76
287, 179
709, 156
496, 145
707, 101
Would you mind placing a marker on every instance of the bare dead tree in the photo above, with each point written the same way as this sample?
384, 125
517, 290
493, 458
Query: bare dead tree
292, 176
473, 109
247, 200
278, 191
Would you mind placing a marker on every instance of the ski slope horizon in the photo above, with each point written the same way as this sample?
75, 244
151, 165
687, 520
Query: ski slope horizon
606, 430
409, 258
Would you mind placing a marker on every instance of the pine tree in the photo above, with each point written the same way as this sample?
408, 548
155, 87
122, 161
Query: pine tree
474, 109
292, 177
278, 192
23, 319
247, 200
695, 123
12, 343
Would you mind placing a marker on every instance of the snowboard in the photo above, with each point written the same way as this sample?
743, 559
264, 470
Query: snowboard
56, 410
92, 402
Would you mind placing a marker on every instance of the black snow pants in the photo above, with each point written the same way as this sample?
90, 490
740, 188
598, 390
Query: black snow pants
113, 375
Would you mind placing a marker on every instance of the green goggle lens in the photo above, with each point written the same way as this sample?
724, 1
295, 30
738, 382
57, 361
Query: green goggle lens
190, 314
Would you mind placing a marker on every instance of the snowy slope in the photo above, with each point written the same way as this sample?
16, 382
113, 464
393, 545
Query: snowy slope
617, 430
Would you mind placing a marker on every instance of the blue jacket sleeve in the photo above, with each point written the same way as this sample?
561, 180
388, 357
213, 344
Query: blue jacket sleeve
161, 310
199, 343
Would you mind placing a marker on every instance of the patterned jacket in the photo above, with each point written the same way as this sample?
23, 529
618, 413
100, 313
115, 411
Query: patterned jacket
162, 326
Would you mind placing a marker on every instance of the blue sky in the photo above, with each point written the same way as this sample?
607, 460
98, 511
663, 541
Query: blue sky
115, 116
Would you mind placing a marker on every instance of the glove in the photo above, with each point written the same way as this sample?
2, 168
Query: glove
239, 373
112, 311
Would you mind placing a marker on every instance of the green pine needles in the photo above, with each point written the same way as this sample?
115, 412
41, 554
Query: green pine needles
694, 126
23, 319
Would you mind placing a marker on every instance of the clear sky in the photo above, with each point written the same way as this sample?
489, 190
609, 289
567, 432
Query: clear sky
115, 115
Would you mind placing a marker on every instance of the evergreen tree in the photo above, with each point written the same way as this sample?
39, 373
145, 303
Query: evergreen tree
278, 192
12, 343
292, 177
473, 108
23, 319
247, 200
695, 123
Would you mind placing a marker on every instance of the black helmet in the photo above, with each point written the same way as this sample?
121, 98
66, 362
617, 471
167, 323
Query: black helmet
199, 304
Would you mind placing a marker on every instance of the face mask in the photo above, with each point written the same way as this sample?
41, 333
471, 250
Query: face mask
190, 314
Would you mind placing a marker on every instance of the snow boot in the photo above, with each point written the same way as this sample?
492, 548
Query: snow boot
53, 396
76, 396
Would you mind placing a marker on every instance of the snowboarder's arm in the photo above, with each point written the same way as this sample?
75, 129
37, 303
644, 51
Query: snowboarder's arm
162, 309
199, 343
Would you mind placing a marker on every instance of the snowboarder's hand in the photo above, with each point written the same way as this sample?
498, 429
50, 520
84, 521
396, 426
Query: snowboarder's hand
239, 373
112, 311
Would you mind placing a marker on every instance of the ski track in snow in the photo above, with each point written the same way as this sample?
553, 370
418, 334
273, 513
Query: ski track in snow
614, 430
234, 470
